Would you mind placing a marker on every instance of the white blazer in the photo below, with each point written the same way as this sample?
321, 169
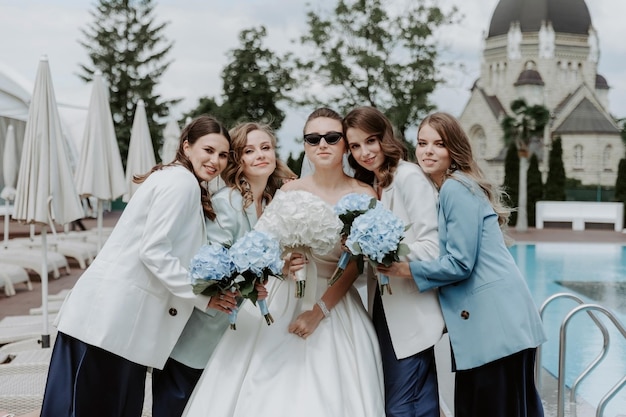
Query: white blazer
414, 319
135, 298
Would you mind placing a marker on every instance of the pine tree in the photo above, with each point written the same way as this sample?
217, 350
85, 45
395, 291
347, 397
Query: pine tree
555, 183
125, 42
535, 188
511, 180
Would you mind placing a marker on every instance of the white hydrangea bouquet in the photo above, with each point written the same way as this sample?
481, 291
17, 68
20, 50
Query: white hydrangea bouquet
348, 208
301, 221
256, 256
377, 234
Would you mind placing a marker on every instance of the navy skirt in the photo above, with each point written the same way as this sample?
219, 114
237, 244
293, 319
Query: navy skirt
86, 381
502, 388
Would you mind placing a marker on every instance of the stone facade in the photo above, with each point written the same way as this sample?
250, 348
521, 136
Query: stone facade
551, 68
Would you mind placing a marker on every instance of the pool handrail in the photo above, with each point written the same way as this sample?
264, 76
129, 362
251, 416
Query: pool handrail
563, 341
562, 351
600, 325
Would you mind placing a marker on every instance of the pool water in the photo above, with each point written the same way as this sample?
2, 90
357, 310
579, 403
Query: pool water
597, 274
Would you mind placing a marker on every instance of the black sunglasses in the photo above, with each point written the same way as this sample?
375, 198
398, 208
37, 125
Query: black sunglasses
331, 138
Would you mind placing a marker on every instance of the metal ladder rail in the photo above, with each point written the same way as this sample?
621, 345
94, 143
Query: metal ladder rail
563, 341
593, 364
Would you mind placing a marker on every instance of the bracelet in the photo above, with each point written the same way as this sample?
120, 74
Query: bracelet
322, 305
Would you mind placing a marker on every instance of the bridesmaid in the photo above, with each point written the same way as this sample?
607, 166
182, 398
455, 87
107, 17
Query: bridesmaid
252, 179
128, 309
492, 320
408, 322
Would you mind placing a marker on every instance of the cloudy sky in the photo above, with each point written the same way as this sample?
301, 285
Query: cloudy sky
204, 31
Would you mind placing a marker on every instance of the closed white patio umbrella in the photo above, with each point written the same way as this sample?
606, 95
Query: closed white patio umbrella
171, 139
45, 185
140, 150
9, 171
100, 173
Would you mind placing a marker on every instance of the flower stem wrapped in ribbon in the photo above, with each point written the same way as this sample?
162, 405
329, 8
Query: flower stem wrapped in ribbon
301, 221
377, 234
348, 208
256, 256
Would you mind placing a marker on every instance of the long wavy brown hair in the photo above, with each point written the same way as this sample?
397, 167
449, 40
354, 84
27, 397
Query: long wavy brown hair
200, 126
374, 122
458, 145
233, 174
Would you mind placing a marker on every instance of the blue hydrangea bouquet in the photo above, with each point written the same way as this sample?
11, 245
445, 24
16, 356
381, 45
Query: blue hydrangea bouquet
212, 270
377, 234
256, 256
348, 208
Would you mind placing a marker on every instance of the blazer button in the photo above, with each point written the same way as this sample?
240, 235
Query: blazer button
465, 314
173, 311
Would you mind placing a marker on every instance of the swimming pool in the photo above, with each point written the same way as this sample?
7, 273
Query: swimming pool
597, 274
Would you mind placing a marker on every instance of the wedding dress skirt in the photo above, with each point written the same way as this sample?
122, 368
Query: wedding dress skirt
265, 371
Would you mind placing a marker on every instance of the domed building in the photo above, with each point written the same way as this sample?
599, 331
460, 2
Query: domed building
546, 52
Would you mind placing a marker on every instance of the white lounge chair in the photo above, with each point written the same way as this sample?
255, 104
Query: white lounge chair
33, 259
22, 386
16, 328
11, 275
83, 252
53, 307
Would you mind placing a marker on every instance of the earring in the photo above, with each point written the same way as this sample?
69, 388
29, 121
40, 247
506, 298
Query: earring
453, 166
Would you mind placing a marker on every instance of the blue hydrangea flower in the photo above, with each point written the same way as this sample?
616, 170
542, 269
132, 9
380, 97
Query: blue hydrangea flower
354, 202
256, 252
211, 263
376, 234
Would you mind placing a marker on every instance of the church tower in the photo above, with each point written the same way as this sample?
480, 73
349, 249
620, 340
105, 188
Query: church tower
546, 52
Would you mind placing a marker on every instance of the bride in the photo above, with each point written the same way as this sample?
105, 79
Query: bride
322, 361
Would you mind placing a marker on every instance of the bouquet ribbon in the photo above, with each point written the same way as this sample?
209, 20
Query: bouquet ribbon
309, 275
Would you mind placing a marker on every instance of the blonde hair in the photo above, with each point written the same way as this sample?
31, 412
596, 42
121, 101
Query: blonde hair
233, 174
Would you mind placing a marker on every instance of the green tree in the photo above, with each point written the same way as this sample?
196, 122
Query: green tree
511, 180
620, 185
127, 45
535, 188
525, 125
555, 183
254, 82
364, 55
296, 163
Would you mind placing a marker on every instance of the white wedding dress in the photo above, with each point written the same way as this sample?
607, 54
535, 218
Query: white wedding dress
265, 371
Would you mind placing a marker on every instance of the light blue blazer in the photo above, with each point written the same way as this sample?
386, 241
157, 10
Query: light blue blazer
486, 304
205, 328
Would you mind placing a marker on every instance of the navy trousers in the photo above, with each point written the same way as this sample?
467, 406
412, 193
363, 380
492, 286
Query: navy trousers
172, 387
505, 387
86, 381
410, 383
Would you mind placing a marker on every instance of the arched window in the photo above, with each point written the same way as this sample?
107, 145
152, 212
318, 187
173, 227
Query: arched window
578, 156
478, 139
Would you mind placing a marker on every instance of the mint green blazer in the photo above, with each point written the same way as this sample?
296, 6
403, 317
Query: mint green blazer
204, 329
